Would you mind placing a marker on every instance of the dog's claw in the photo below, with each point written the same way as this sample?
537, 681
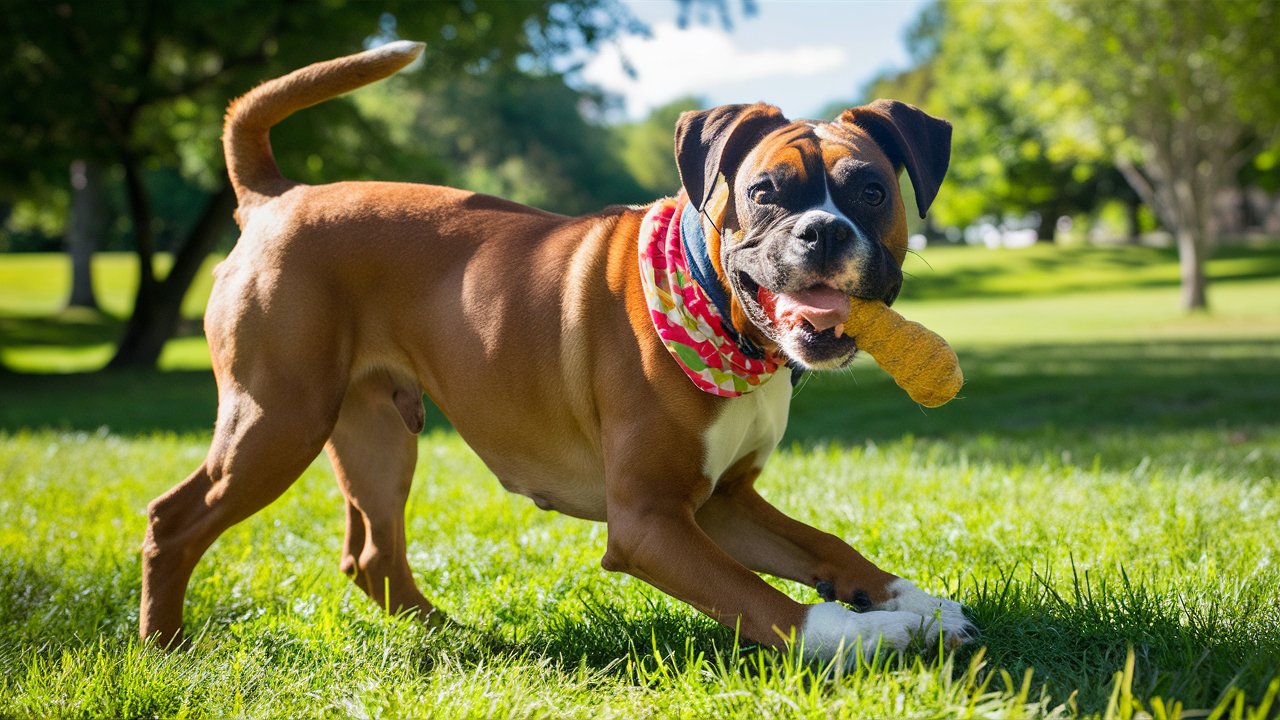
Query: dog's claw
826, 590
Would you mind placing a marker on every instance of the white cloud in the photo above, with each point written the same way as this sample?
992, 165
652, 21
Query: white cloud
697, 61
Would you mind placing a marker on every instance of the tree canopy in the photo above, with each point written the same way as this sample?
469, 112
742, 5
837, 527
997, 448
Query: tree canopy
140, 86
1054, 103
1164, 89
1003, 161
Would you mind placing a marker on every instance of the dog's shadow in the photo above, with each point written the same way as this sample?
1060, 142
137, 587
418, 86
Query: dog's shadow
1074, 643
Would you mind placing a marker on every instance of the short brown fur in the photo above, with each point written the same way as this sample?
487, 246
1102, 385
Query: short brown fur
342, 304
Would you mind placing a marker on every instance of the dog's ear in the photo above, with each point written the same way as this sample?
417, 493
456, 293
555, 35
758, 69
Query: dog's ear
911, 138
710, 142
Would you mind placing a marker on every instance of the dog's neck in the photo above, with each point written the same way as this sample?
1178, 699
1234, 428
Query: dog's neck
699, 337
693, 236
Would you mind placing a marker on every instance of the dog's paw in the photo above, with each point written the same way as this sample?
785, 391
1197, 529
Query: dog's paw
831, 630
906, 597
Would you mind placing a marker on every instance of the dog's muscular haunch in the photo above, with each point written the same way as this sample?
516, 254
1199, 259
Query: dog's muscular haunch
341, 304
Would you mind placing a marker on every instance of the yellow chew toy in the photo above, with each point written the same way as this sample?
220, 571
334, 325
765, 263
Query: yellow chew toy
918, 359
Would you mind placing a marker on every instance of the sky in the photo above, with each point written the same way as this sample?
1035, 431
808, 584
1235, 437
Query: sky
799, 54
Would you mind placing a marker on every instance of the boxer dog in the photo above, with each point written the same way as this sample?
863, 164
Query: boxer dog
538, 337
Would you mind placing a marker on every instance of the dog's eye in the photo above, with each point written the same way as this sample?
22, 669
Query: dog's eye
762, 192
873, 194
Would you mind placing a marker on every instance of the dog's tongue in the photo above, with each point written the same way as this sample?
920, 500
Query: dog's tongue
824, 307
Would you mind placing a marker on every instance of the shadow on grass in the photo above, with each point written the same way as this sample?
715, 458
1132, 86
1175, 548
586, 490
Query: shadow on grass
1018, 401
1074, 635
126, 402
71, 328
74, 328
1077, 263
1186, 648
1073, 645
1085, 388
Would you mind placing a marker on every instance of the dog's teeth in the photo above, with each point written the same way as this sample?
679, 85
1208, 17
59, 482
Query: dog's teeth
839, 330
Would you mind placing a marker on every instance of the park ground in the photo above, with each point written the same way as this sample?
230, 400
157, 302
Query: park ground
1104, 496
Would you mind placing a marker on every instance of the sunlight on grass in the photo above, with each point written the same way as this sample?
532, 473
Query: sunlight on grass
38, 335
1054, 557
1105, 496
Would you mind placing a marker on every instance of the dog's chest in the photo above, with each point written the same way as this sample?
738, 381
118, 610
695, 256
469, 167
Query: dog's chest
751, 423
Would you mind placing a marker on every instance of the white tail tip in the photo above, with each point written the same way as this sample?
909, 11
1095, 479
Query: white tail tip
400, 47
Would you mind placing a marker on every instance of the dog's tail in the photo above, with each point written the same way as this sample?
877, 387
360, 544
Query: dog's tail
245, 141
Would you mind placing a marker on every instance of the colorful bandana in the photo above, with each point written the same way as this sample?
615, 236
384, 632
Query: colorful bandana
702, 342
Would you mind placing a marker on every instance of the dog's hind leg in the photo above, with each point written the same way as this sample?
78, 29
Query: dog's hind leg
373, 449
267, 433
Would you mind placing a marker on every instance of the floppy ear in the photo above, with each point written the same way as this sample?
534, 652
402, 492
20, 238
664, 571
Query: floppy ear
710, 142
911, 138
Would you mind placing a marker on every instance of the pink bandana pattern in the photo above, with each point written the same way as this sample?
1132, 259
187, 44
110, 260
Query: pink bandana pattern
689, 325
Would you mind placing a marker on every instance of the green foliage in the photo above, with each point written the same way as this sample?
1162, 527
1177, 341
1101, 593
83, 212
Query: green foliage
1167, 90
1045, 97
31, 225
151, 79
1060, 108
648, 147
1119, 72
524, 137
175, 67
1264, 171
142, 85
1003, 161
37, 222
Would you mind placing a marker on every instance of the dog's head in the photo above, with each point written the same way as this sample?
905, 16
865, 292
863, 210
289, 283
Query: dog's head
812, 214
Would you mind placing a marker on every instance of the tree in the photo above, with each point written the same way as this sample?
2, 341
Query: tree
142, 84
1004, 160
1174, 93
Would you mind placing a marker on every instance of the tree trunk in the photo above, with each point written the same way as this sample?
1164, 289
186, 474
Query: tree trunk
1132, 208
1172, 198
155, 316
1191, 257
1047, 230
88, 220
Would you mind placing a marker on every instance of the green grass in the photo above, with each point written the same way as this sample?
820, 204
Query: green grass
1105, 495
38, 334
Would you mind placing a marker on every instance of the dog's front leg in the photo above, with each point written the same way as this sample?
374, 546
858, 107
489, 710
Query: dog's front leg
766, 540
663, 545
654, 536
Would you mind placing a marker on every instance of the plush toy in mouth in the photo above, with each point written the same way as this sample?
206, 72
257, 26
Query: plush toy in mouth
918, 359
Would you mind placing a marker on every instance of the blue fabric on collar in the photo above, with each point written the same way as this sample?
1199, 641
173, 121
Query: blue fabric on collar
694, 239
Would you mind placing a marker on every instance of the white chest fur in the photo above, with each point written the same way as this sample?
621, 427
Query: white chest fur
751, 423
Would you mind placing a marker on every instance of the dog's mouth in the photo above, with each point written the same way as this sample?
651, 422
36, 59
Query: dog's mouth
807, 324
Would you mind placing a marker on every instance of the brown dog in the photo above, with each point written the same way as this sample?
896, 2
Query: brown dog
341, 304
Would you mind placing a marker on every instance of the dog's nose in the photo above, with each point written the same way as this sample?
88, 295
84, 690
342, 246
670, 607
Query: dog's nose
828, 243
824, 235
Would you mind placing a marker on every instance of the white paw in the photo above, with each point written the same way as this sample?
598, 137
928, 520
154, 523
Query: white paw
830, 630
906, 597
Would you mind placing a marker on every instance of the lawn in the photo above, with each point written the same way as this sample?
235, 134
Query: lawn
1105, 496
